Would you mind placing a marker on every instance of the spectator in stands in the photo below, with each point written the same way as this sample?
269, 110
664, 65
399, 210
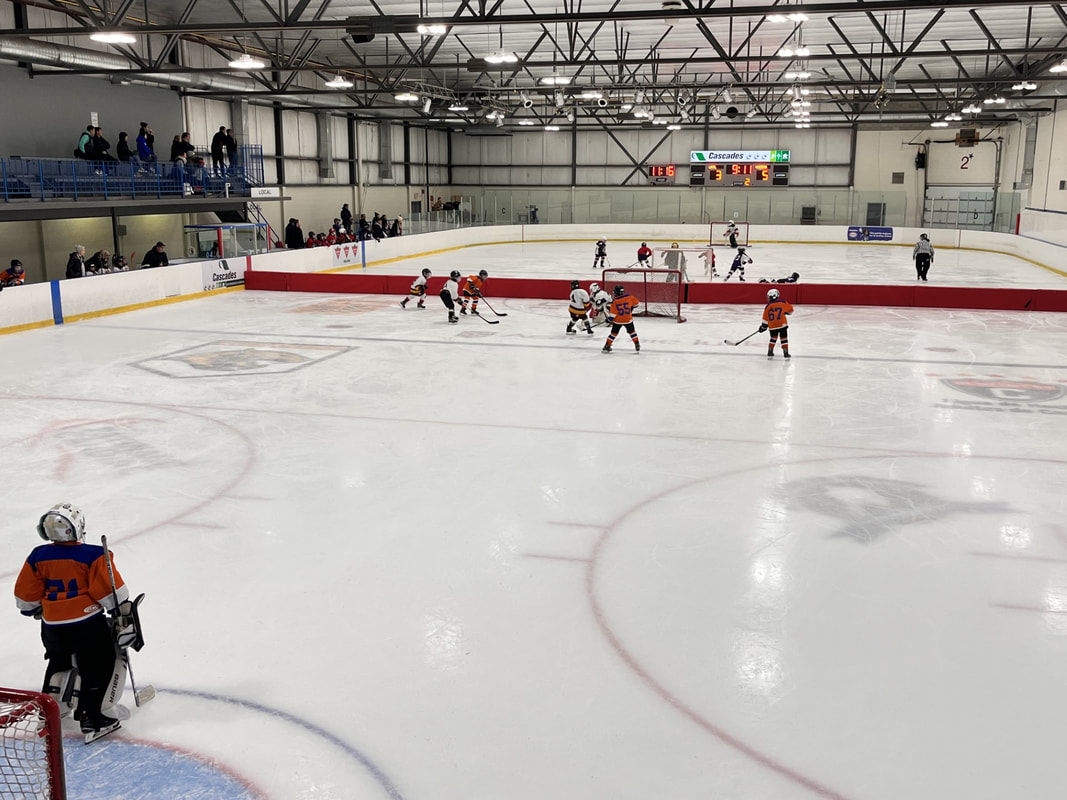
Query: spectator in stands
397, 228
364, 228
231, 147
156, 257
76, 262
218, 151
376, 227
145, 150
101, 147
312, 241
346, 217
118, 263
438, 205
294, 237
176, 151
85, 143
123, 149
99, 262
14, 275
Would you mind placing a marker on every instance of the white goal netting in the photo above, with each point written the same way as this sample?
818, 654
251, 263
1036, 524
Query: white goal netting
31, 747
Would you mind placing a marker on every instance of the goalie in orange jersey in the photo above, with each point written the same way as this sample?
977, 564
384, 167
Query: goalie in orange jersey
473, 288
621, 313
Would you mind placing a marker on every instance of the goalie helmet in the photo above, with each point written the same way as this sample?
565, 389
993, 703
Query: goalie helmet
795, 275
426, 273
483, 274
620, 290
454, 274
772, 295
63, 522
594, 288
576, 285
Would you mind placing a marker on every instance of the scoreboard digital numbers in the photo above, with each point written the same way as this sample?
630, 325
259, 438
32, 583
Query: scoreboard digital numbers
662, 174
739, 168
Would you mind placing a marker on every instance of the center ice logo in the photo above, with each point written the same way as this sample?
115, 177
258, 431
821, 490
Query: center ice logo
1018, 391
240, 358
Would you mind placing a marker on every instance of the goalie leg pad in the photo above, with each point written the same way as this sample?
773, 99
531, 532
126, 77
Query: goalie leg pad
116, 685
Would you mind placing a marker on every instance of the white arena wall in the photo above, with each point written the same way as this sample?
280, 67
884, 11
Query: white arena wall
32, 306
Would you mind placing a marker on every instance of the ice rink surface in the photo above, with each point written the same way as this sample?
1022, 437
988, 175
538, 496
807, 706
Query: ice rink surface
388, 557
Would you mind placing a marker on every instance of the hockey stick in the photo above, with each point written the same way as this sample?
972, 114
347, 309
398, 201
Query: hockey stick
148, 693
498, 313
735, 344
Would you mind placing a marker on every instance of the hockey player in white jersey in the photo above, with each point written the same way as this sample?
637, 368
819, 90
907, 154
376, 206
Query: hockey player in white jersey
600, 300
731, 234
418, 289
708, 256
579, 308
450, 295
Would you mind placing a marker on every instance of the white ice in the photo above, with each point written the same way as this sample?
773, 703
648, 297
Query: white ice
489, 562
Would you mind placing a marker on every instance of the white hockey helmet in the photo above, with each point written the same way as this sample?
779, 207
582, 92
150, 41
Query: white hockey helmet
63, 522
773, 295
594, 287
674, 244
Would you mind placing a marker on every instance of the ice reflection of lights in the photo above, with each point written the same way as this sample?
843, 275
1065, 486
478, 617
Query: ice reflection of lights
982, 487
1013, 537
1056, 605
759, 664
767, 574
444, 641
961, 449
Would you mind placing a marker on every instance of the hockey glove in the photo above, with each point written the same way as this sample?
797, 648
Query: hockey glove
763, 327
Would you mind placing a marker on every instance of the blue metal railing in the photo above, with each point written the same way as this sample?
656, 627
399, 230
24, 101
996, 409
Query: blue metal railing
47, 179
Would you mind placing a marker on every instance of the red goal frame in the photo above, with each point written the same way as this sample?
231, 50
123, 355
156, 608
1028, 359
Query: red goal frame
660, 291
17, 707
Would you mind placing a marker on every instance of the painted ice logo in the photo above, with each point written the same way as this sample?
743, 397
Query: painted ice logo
230, 358
1018, 391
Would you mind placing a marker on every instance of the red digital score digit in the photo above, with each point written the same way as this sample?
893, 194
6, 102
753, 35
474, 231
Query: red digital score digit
763, 172
670, 170
715, 172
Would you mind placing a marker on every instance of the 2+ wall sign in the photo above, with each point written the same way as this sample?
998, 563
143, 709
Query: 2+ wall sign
738, 156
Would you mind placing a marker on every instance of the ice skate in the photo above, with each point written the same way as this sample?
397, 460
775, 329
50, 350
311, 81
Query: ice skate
97, 726
606, 349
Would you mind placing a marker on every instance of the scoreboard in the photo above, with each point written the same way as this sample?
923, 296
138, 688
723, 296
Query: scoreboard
739, 168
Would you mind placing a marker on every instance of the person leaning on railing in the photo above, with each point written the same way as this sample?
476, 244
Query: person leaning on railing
76, 262
156, 257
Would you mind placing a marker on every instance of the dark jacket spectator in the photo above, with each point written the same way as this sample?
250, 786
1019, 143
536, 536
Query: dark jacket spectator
85, 143
123, 150
76, 262
155, 257
376, 228
101, 147
218, 149
397, 228
231, 147
364, 227
346, 217
100, 261
294, 237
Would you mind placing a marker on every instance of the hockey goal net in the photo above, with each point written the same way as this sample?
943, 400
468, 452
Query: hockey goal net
719, 231
31, 747
658, 290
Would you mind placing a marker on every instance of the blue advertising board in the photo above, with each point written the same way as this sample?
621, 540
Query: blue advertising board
860, 233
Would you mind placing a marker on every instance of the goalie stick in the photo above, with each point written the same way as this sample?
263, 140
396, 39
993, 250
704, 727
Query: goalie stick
145, 694
498, 313
735, 344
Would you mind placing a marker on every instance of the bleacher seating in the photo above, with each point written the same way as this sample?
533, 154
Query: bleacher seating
71, 178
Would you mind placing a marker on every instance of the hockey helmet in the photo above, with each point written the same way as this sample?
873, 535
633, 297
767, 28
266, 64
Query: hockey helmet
619, 290
63, 522
426, 273
454, 274
795, 275
16, 266
674, 244
594, 287
644, 244
773, 295
576, 284
740, 249
924, 237
483, 274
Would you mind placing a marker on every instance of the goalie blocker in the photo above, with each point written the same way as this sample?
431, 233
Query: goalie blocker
660, 291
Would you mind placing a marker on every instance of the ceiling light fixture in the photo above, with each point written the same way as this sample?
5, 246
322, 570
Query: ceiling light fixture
972, 109
939, 124
113, 37
338, 82
751, 113
715, 112
591, 94
797, 76
625, 107
998, 100
551, 127
432, 30
1024, 86
406, 97
501, 57
674, 127
727, 97
526, 122
555, 80
426, 105
458, 107
1061, 67
245, 61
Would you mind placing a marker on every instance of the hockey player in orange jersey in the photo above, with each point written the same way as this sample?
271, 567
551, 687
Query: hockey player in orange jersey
774, 317
473, 288
66, 585
621, 314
